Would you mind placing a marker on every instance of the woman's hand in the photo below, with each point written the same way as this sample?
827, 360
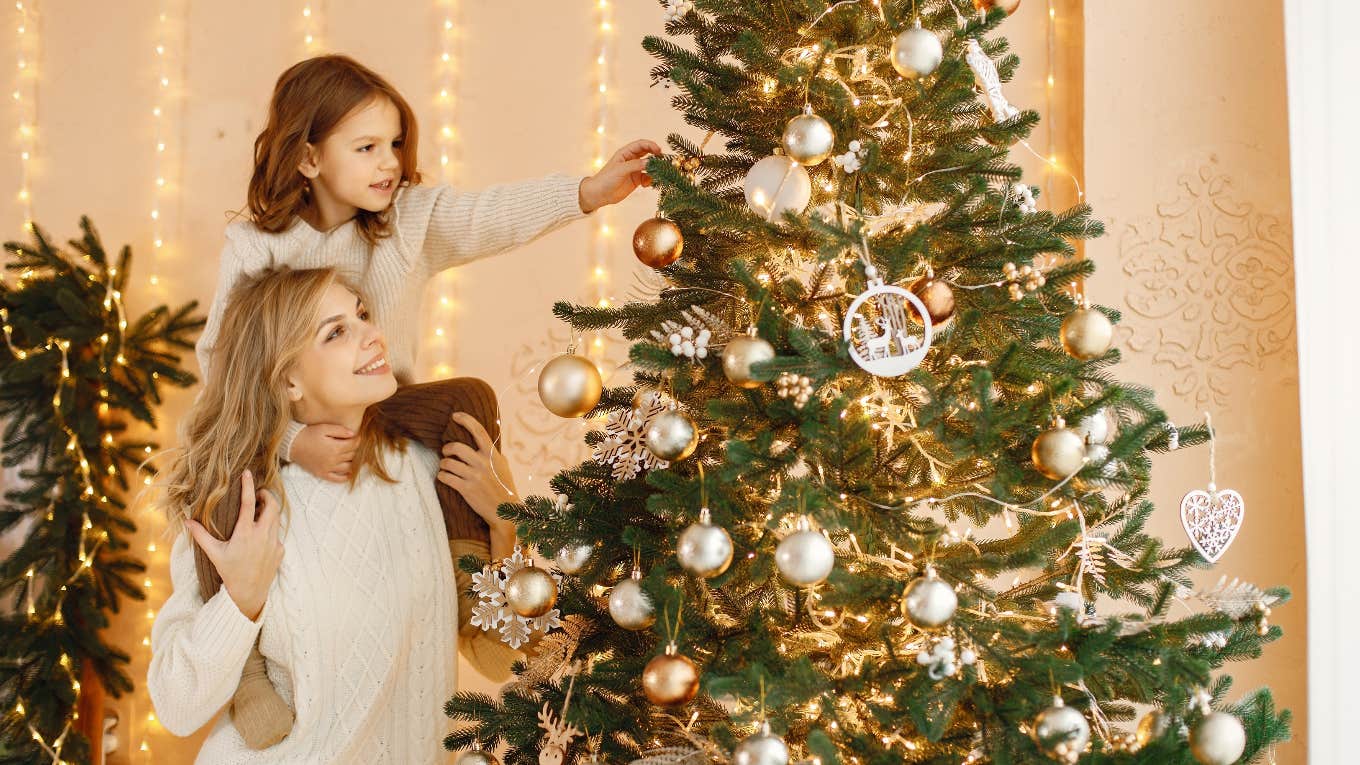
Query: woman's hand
249, 560
481, 475
325, 451
620, 176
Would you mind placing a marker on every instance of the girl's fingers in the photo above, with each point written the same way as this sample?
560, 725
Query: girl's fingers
474, 427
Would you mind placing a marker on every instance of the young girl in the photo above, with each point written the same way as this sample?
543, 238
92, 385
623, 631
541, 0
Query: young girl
347, 588
335, 185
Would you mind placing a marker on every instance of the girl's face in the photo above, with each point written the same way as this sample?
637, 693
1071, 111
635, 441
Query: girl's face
344, 367
357, 165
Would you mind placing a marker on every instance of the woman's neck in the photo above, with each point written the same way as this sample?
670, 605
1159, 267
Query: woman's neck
346, 419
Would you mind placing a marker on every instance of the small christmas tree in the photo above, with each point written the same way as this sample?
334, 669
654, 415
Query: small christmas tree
873, 525
73, 371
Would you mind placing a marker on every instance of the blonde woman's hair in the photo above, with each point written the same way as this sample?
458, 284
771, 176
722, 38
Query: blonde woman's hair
239, 418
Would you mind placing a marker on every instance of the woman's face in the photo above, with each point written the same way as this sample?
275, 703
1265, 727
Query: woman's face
357, 165
344, 367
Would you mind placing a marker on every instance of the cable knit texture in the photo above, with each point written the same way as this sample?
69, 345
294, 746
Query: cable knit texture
356, 631
434, 228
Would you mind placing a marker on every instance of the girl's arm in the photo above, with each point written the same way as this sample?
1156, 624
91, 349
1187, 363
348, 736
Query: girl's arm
198, 649
453, 227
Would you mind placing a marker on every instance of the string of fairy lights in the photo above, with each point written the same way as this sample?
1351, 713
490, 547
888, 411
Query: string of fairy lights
602, 233
27, 42
439, 348
313, 26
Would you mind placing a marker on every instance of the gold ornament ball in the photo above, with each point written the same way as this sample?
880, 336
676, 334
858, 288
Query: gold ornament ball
1058, 452
570, 385
531, 592
937, 298
808, 139
1153, 725
671, 436
1086, 334
1061, 732
740, 354
1218, 739
670, 680
658, 242
476, 757
1009, 6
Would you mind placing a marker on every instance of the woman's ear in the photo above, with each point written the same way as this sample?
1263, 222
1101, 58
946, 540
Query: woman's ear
294, 389
310, 165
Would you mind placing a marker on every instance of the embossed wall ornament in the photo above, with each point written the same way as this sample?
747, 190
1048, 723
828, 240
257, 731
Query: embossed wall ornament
1209, 285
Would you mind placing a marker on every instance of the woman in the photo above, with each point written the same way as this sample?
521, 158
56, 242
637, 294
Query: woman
348, 587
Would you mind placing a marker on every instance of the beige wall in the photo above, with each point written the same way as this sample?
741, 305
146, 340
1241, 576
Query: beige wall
525, 105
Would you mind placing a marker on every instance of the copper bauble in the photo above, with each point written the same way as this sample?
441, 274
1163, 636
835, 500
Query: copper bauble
938, 299
1086, 334
658, 242
570, 385
1058, 452
670, 679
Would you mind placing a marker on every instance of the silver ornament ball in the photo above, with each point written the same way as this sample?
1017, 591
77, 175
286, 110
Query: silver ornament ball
776, 185
931, 602
1218, 739
477, 756
916, 53
805, 557
740, 354
671, 436
630, 606
808, 139
761, 748
572, 558
704, 549
1061, 732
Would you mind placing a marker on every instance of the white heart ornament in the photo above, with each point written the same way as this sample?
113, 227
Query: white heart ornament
1212, 520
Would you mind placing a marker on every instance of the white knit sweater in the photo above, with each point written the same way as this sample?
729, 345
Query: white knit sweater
434, 228
358, 631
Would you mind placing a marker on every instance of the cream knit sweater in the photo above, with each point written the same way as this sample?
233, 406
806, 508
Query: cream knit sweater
434, 228
357, 630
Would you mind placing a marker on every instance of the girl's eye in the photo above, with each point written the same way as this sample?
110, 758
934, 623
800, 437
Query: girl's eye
397, 144
366, 147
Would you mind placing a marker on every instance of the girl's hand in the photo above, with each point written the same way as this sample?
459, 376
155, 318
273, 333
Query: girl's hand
249, 560
325, 451
619, 177
481, 475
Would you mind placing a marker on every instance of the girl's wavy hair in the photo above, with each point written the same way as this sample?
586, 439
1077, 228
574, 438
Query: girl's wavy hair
310, 99
239, 418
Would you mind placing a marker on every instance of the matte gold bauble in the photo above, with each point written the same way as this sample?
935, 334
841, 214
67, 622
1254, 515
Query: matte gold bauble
658, 242
1009, 6
938, 300
1058, 452
531, 592
570, 385
740, 354
670, 680
1086, 334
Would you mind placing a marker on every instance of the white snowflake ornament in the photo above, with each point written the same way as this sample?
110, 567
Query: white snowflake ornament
625, 442
493, 613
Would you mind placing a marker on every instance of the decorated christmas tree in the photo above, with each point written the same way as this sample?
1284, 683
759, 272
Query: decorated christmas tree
876, 494
75, 372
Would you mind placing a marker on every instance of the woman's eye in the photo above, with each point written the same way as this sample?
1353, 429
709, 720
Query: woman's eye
338, 331
363, 315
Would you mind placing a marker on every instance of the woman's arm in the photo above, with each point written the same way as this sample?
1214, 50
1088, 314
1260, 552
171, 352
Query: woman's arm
197, 649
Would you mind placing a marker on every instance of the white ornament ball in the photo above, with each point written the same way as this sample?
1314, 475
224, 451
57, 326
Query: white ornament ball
916, 53
931, 602
704, 549
573, 557
1218, 739
805, 558
808, 139
762, 748
630, 605
775, 185
1095, 427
